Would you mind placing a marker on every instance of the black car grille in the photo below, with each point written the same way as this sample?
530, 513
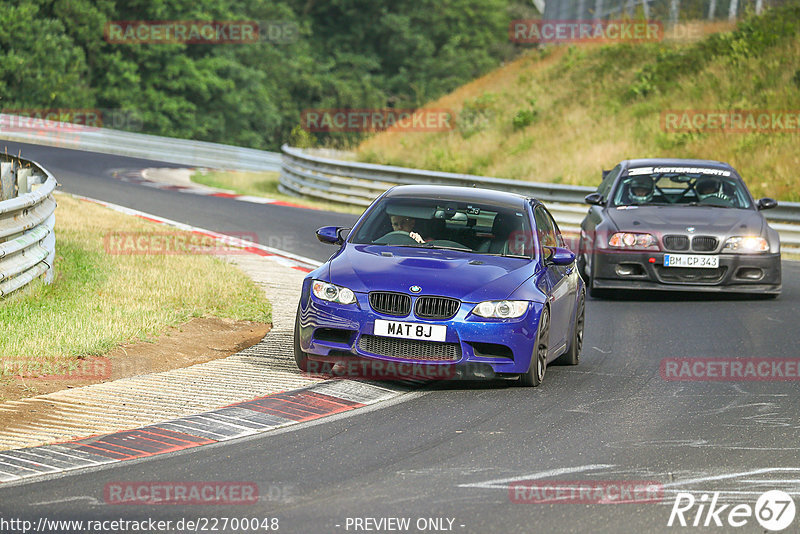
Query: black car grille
676, 242
387, 303
704, 243
691, 275
410, 349
440, 308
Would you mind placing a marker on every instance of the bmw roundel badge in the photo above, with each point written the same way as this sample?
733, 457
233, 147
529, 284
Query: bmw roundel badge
415, 289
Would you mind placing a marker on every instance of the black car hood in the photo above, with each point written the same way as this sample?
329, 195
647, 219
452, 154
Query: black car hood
677, 219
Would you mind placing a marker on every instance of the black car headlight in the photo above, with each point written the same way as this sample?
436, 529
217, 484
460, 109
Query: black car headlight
746, 244
332, 293
632, 240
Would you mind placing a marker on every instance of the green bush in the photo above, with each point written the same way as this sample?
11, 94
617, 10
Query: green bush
525, 117
476, 115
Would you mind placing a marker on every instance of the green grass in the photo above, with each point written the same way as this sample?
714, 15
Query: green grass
100, 300
264, 184
564, 113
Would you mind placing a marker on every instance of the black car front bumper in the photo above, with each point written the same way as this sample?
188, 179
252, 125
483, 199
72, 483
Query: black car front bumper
737, 273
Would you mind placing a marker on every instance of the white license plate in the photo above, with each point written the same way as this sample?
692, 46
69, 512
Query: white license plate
690, 260
427, 332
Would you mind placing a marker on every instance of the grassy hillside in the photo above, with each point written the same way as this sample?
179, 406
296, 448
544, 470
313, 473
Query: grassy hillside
563, 113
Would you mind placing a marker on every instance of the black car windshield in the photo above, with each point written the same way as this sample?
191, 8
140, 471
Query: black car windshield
681, 186
439, 224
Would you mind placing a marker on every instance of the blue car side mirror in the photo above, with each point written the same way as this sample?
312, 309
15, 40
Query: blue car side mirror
560, 256
331, 235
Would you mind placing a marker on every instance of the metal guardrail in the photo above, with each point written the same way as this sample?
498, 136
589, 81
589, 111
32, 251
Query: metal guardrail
358, 184
121, 143
27, 221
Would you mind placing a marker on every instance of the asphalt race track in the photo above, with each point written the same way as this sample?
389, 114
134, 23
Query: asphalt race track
450, 450
90, 174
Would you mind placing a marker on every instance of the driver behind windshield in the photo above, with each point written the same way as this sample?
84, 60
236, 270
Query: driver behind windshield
709, 188
406, 224
641, 189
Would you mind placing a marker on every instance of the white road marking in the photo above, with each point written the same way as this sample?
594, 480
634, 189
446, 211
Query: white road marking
502, 483
734, 475
90, 500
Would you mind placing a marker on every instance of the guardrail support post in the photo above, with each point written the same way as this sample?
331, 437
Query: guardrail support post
6, 180
28, 245
49, 245
23, 181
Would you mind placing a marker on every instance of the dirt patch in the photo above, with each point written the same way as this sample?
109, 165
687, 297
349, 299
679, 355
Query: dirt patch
198, 341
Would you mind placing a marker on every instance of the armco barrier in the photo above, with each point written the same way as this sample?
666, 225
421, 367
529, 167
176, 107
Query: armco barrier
27, 221
358, 184
108, 141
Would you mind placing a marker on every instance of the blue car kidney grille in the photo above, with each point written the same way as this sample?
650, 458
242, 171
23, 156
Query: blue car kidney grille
410, 349
387, 303
439, 308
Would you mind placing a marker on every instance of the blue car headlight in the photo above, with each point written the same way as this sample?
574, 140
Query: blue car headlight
501, 309
332, 293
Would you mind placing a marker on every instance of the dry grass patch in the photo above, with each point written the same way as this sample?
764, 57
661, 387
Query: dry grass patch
100, 300
562, 114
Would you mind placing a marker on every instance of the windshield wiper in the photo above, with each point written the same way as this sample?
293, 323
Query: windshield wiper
706, 205
439, 247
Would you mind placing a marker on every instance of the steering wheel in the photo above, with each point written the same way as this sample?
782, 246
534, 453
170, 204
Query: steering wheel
717, 200
396, 238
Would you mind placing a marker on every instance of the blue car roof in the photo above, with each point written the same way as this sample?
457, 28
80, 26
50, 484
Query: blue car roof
456, 193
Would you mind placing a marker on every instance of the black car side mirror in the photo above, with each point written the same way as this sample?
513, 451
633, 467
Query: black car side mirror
331, 235
767, 203
595, 199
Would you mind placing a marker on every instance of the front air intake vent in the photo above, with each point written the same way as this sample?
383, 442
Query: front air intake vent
410, 349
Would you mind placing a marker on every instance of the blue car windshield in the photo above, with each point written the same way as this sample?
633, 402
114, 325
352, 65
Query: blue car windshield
438, 224
648, 186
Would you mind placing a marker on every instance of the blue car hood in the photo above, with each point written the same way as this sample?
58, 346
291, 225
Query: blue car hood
446, 273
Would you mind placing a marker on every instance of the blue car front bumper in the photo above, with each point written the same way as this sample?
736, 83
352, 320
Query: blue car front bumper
333, 332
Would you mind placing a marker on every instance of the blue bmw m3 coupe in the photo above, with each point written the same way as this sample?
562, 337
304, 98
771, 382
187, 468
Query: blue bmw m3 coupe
440, 281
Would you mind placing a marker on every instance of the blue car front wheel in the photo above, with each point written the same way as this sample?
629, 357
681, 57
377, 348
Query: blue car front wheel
535, 374
300, 357
573, 354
